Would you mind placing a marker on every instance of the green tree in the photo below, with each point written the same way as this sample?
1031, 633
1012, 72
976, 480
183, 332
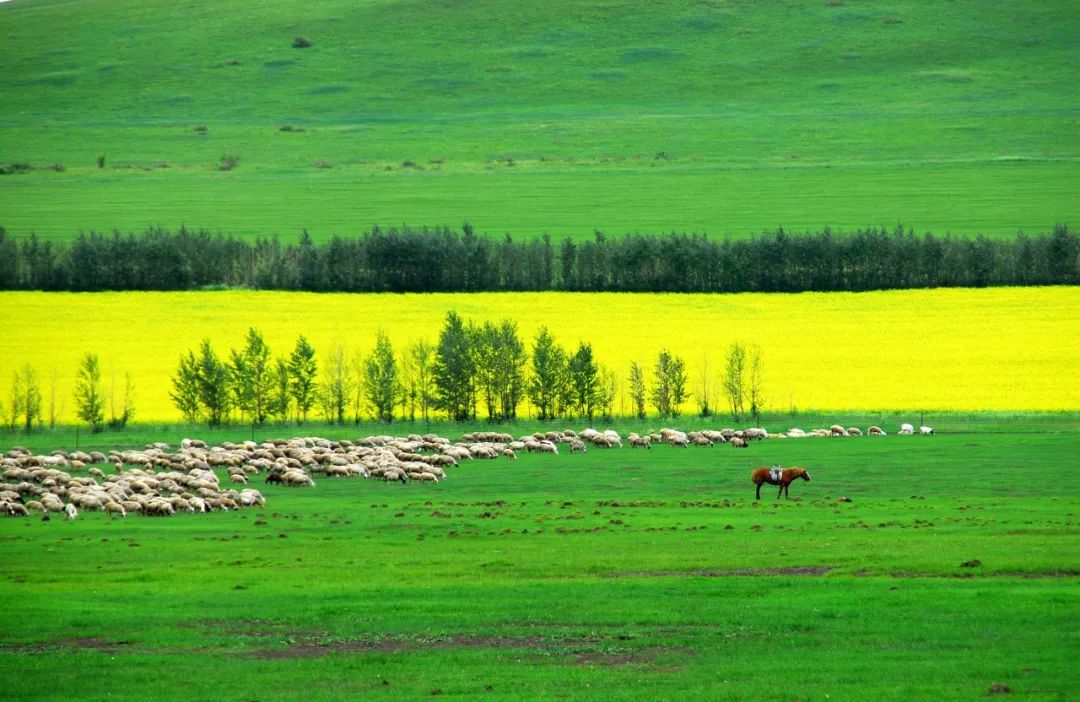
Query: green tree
637, 389
119, 419
453, 371
511, 359
55, 409
755, 391
584, 380
545, 386
337, 385
302, 370
423, 354
669, 390
499, 357
213, 383
26, 398
241, 389
705, 390
734, 384
279, 396
89, 403
485, 349
679, 395
661, 391
185, 392
381, 384
410, 392
607, 392
251, 376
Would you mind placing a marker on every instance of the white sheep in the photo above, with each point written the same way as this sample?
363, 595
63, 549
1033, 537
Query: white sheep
70, 511
926, 431
906, 429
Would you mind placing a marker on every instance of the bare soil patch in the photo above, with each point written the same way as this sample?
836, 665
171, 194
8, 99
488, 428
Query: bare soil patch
802, 571
89, 643
301, 649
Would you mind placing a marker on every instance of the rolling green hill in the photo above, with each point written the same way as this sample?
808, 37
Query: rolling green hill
561, 116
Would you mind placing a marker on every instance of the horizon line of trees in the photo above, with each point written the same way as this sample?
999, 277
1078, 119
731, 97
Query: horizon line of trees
443, 260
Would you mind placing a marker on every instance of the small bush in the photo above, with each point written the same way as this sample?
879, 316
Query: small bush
58, 167
408, 164
290, 128
232, 62
201, 128
22, 167
323, 163
101, 161
301, 43
228, 162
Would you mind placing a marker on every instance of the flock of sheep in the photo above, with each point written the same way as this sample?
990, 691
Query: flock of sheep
150, 482
158, 482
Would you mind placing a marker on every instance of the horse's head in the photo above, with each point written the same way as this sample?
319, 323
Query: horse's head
803, 474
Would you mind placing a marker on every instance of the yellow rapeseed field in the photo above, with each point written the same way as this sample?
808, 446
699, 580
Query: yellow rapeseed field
991, 349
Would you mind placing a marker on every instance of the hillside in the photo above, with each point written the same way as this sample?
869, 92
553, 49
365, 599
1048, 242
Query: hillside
562, 117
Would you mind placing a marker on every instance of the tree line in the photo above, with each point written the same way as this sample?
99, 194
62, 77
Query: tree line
443, 260
473, 371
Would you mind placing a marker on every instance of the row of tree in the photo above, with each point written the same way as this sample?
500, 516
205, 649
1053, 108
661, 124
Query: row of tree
442, 260
474, 370
28, 409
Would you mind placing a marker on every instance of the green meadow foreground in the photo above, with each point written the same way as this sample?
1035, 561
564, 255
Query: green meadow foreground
562, 116
620, 574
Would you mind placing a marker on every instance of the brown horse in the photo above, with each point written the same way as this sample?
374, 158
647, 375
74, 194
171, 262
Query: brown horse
777, 476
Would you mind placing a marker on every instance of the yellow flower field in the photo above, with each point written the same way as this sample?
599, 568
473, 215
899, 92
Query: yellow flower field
992, 349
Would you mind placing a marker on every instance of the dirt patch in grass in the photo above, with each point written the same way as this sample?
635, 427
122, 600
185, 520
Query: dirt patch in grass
642, 656
578, 650
302, 649
88, 643
802, 571
968, 575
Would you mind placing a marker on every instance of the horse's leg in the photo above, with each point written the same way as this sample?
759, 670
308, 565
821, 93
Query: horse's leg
758, 497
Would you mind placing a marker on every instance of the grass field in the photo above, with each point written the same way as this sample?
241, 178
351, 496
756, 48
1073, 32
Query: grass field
952, 350
612, 575
558, 117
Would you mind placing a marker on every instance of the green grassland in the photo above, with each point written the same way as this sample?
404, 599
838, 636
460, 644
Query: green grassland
620, 574
559, 117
